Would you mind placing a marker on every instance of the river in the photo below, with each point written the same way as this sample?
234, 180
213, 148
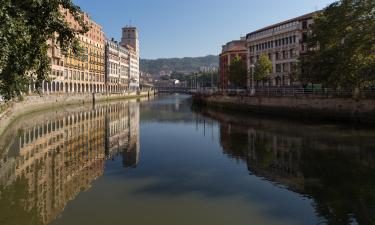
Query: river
163, 161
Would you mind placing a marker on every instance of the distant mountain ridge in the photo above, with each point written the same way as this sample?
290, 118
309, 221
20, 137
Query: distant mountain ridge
188, 64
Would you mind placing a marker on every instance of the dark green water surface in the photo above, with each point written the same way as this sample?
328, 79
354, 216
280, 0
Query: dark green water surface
164, 162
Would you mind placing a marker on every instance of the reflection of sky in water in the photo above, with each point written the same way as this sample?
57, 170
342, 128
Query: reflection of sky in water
186, 168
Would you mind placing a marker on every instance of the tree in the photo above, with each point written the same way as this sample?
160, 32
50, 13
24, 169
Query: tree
237, 73
295, 72
25, 28
263, 68
341, 46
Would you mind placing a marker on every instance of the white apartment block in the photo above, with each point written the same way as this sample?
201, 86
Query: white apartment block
130, 40
283, 43
117, 67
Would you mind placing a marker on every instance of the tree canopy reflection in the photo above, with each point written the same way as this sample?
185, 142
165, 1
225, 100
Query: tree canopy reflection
337, 172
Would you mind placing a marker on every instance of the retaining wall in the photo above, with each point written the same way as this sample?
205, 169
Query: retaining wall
334, 109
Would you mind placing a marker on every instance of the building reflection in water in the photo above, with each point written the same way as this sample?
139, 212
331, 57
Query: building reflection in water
49, 159
336, 168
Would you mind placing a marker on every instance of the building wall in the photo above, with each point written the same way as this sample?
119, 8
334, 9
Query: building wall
283, 43
104, 66
86, 73
117, 67
230, 51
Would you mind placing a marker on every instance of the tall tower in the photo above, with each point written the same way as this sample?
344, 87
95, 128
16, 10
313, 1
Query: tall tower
130, 40
130, 37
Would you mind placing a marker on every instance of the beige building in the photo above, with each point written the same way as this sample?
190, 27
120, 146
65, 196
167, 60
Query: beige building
283, 43
77, 74
86, 73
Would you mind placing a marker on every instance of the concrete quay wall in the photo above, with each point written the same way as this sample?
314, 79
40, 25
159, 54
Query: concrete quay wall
318, 108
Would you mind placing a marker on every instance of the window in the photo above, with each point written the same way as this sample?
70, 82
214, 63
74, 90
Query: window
277, 55
278, 68
286, 67
285, 55
304, 24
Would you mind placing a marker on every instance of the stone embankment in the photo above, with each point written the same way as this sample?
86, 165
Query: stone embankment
346, 110
12, 110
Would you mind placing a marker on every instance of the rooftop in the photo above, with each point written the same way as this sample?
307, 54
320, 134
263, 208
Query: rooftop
306, 16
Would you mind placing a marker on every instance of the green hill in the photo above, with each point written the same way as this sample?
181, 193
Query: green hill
188, 64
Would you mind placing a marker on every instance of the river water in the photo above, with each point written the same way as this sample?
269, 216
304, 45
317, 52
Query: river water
163, 162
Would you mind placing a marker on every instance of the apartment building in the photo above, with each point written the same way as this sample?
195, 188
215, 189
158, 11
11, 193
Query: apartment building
283, 43
230, 51
77, 74
104, 65
117, 67
86, 73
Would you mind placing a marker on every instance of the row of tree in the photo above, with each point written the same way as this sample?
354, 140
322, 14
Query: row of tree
341, 50
238, 73
203, 80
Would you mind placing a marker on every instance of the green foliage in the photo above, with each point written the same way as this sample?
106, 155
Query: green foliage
207, 79
175, 64
342, 46
179, 76
25, 28
295, 72
263, 68
237, 72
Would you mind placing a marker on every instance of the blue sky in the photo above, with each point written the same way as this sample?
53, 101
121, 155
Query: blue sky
179, 28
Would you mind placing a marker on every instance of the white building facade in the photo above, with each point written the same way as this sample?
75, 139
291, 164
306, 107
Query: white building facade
117, 67
283, 43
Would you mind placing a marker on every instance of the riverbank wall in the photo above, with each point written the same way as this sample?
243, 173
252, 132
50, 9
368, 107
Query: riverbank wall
347, 110
10, 111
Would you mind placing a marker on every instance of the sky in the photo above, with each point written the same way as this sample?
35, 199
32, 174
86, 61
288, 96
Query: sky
191, 28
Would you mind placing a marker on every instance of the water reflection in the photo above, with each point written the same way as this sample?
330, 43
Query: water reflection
335, 167
207, 167
48, 159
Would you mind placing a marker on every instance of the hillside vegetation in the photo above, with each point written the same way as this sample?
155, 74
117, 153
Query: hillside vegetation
188, 64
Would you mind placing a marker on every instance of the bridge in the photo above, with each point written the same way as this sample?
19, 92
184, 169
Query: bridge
181, 90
